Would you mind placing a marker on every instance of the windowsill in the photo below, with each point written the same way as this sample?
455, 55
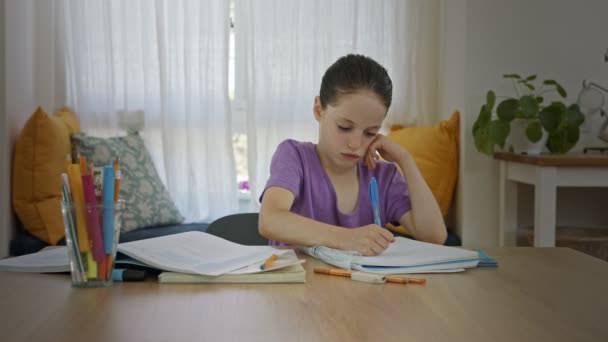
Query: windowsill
246, 205
244, 195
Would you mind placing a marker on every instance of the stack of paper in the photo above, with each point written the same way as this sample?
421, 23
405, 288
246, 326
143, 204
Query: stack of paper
50, 260
401, 257
198, 253
285, 269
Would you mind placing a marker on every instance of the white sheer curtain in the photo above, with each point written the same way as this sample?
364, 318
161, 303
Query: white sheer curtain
284, 47
168, 58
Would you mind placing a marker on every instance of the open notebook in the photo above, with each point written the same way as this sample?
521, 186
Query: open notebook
401, 257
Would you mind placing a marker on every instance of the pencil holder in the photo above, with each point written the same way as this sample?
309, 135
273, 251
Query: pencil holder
91, 235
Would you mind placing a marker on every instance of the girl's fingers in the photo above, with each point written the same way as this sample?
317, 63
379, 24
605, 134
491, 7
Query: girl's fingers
368, 161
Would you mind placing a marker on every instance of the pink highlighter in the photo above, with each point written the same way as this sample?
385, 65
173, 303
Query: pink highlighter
92, 218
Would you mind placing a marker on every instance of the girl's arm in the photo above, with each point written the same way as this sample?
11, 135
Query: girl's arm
424, 221
278, 223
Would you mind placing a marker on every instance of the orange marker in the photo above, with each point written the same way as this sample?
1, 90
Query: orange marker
390, 279
109, 262
83, 165
405, 280
333, 271
268, 261
102, 268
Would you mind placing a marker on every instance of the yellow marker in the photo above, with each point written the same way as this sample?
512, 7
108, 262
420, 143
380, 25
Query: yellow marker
78, 206
91, 266
268, 261
68, 161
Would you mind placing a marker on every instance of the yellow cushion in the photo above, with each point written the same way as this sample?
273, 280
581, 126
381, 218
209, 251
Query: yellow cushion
40, 158
435, 150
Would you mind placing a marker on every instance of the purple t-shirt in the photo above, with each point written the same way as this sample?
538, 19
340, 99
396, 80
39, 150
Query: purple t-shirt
296, 167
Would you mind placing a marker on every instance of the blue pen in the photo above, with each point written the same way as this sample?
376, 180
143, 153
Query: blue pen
108, 208
374, 199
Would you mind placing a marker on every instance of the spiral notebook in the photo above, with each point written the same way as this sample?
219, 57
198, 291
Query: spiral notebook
401, 257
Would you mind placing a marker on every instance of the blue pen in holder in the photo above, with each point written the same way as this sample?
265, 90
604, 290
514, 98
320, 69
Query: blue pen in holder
108, 204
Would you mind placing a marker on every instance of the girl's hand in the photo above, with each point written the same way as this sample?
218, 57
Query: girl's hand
367, 240
388, 149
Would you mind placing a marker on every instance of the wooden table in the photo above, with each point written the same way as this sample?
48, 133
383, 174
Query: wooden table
536, 294
546, 173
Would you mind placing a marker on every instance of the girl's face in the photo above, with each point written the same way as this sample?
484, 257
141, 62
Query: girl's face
347, 128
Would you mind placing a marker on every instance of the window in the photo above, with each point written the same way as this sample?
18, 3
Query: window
239, 136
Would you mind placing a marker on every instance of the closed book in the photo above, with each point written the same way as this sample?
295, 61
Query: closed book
290, 274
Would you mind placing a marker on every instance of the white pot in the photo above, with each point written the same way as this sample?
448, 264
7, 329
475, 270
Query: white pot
519, 141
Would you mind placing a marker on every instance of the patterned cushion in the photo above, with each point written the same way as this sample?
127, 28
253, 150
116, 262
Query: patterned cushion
147, 201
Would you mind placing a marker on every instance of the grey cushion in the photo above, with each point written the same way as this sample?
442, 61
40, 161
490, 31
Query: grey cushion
146, 200
152, 232
240, 228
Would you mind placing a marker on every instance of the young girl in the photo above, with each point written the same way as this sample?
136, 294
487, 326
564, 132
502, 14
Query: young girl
315, 191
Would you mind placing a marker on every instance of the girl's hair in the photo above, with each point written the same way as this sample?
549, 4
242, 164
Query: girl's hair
352, 73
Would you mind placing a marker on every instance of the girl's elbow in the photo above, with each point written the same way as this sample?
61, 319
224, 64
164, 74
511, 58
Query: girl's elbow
441, 237
264, 226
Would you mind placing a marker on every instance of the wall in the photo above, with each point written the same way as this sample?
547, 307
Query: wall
32, 82
559, 39
18, 73
5, 209
451, 75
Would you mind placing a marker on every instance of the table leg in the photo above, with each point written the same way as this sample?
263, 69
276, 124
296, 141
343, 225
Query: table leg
544, 207
507, 234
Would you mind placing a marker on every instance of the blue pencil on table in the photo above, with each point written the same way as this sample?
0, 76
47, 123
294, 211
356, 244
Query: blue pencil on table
375, 200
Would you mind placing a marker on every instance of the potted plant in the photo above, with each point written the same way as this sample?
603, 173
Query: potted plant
526, 121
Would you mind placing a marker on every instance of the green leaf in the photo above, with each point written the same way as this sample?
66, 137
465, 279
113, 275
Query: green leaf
507, 109
539, 99
534, 131
490, 100
531, 78
556, 142
572, 136
567, 135
520, 115
482, 120
516, 76
529, 86
550, 117
483, 143
561, 90
529, 106
563, 140
574, 117
549, 82
499, 131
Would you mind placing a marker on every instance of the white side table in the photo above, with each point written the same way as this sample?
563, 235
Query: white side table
546, 173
